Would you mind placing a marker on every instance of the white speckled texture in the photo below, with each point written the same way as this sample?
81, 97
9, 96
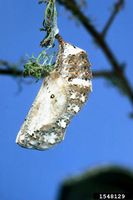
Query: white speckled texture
61, 96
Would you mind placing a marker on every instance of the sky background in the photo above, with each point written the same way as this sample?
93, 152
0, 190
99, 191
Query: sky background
100, 134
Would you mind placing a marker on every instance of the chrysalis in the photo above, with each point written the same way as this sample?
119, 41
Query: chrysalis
61, 96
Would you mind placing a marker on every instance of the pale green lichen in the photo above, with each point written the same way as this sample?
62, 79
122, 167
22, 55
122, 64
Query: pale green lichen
43, 64
40, 66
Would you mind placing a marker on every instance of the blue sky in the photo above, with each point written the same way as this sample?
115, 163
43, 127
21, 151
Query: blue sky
100, 134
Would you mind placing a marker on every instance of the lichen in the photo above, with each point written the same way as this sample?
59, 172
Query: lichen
42, 65
39, 66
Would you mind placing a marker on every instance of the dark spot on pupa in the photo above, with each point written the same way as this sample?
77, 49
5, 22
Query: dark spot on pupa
82, 56
85, 67
52, 96
70, 79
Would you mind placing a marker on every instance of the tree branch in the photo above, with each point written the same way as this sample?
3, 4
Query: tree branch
103, 74
18, 73
8, 68
11, 72
117, 8
111, 76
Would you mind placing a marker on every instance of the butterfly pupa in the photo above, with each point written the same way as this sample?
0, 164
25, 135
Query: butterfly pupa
62, 94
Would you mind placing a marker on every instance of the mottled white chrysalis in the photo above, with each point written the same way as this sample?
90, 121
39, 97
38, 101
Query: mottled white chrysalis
61, 96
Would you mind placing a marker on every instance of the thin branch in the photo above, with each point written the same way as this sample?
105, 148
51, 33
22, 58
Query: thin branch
110, 76
116, 9
19, 73
11, 69
11, 72
103, 74
86, 22
60, 39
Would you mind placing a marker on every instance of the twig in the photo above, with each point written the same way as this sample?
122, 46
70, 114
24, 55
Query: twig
117, 8
11, 72
103, 74
16, 72
60, 39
